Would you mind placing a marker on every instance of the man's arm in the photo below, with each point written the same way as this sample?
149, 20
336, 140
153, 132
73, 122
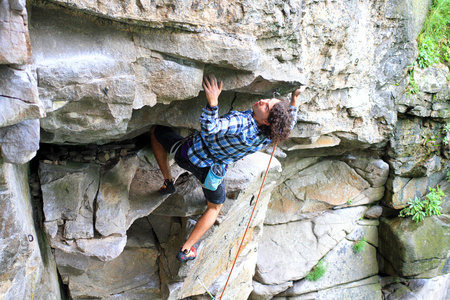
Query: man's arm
295, 95
209, 120
212, 90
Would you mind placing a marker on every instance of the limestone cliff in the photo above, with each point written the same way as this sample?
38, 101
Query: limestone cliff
81, 82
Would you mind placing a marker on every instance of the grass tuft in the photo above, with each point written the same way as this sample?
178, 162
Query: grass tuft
360, 245
317, 272
434, 40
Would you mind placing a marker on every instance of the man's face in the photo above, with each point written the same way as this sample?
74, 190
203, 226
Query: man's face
261, 110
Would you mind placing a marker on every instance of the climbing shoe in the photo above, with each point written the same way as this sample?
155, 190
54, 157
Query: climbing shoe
167, 188
187, 254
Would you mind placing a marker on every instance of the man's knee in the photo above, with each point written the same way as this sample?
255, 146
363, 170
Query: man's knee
212, 211
152, 129
214, 207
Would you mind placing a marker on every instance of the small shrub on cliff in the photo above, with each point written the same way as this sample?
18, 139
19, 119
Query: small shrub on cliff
412, 87
317, 272
433, 41
360, 245
420, 209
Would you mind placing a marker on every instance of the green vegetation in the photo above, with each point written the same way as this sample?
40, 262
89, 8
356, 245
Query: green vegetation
349, 202
360, 245
448, 176
420, 209
412, 87
317, 272
445, 130
434, 40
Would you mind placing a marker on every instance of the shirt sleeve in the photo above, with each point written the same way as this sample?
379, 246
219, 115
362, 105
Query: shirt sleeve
210, 122
294, 111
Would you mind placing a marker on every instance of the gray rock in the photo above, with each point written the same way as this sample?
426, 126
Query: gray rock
19, 96
168, 80
14, 37
223, 50
20, 142
104, 248
415, 249
143, 195
401, 190
364, 289
69, 191
375, 171
367, 230
397, 287
266, 292
113, 202
133, 274
314, 189
284, 255
23, 275
374, 212
413, 148
87, 87
343, 267
433, 79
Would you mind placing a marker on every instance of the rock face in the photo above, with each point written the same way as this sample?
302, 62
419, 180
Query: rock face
28, 266
419, 246
81, 82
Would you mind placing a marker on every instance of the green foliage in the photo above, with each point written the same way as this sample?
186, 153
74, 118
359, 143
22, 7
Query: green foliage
412, 87
433, 41
360, 245
317, 272
419, 209
447, 127
448, 176
349, 201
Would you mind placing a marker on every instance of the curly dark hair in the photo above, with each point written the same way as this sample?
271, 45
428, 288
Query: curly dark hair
280, 120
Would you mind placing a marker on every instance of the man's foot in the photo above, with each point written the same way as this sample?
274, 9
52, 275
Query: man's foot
167, 188
187, 254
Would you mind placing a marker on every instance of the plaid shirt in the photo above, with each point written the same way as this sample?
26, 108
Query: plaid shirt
227, 139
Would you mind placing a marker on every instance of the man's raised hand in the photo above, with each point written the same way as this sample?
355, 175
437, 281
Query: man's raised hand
297, 93
212, 89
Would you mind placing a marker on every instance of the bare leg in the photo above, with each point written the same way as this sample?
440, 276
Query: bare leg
203, 224
162, 158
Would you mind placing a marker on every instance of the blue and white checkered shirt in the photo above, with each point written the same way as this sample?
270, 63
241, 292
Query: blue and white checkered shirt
227, 139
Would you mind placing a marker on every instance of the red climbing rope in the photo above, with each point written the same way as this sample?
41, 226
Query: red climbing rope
249, 221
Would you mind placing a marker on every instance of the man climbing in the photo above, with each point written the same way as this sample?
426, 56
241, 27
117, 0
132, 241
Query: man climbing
221, 140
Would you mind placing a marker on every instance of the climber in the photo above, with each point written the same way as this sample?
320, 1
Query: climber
220, 141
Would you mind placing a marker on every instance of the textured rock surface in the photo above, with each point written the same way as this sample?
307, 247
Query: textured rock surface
105, 71
26, 269
14, 39
283, 258
420, 252
133, 273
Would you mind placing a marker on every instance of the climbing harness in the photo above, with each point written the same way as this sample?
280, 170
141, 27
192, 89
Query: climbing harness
249, 221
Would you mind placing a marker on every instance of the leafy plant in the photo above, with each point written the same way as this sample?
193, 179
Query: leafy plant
419, 209
360, 245
412, 87
317, 272
448, 176
433, 41
446, 127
